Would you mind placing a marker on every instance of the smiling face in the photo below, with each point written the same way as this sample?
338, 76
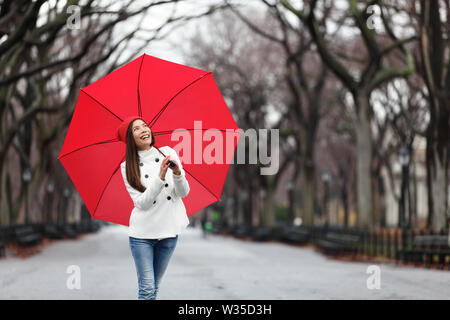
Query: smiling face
142, 134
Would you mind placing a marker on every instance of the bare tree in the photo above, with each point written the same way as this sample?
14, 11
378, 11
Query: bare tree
360, 84
250, 88
312, 92
43, 63
434, 51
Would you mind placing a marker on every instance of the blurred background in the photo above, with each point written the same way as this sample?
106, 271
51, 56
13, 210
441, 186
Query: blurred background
359, 91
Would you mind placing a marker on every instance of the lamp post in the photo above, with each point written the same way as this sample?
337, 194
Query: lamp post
247, 217
290, 190
66, 194
262, 196
403, 159
326, 178
50, 188
262, 193
26, 177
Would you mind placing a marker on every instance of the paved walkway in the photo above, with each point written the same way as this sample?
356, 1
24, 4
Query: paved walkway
216, 268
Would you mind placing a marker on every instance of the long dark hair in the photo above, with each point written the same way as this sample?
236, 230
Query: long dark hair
132, 160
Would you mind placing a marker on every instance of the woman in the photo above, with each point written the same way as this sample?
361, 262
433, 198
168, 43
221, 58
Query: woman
159, 214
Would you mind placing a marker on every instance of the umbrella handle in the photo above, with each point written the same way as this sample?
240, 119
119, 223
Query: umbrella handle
171, 163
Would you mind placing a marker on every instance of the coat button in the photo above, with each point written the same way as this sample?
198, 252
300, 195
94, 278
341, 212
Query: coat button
168, 198
166, 184
157, 159
141, 164
146, 175
154, 202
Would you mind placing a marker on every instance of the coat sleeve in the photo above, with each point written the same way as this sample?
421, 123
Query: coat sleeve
181, 185
143, 200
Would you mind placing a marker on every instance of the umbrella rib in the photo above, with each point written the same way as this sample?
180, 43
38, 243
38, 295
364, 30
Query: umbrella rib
170, 131
202, 184
194, 178
106, 186
156, 117
89, 145
139, 95
101, 105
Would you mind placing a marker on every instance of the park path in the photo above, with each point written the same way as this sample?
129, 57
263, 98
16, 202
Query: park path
218, 267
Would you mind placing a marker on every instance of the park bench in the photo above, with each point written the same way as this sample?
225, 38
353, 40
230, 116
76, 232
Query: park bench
26, 236
93, 226
219, 227
297, 235
81, 227
337, 242
242, 232
52, 232
67, 231
2, 241
232, 229
426, 247
261, 234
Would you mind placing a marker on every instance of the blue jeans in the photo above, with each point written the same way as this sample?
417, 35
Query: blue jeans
151, 257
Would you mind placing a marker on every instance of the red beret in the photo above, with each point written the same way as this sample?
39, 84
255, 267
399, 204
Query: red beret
121, 133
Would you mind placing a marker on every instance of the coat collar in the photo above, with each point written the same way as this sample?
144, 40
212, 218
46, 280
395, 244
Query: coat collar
148, 153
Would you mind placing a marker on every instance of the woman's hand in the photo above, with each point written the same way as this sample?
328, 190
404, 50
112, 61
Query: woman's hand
166, 165
163, 168
176, 168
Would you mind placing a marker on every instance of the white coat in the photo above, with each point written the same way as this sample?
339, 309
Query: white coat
158, 212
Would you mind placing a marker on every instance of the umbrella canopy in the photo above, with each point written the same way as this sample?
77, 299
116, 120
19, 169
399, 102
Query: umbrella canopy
169, 97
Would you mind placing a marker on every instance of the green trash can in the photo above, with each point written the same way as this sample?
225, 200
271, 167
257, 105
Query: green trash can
208, 226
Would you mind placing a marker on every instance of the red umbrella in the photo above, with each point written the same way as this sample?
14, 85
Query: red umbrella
168, 96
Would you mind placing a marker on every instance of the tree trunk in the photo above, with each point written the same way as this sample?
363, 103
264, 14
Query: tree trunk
344, 198
308, 187
364, 161
435, 66
268, 216
5, 209
439, 190
379, 201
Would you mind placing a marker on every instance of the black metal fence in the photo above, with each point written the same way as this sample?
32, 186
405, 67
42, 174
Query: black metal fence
26, 235
402, 246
